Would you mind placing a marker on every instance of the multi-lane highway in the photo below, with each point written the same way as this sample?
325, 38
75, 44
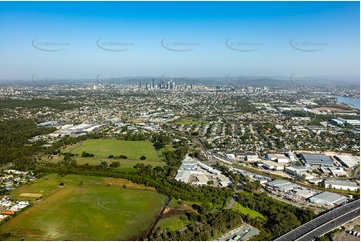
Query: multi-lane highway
323, 223
323, 229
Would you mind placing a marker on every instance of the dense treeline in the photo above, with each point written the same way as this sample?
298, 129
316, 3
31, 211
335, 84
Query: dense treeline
280, 217
36, 103
14, 140
56, 147
204, 226
132, 136
157, 177
160, 140
313, 116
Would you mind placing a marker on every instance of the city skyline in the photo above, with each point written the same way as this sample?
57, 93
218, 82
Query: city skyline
195, 39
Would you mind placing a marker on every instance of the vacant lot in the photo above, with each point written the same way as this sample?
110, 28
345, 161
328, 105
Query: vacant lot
175, 222
332, 109
125, 165
31, 194
102, 148
246, 210
174, 216
85, 208
188, 120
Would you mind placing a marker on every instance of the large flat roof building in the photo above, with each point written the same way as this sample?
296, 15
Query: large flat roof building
271, 165
201, 180
347, 160
223, 180
188, 166
337, 171
280, 158
316, 159
251, 157
183, 176
294, 170
328, 198
341, 184
282, 185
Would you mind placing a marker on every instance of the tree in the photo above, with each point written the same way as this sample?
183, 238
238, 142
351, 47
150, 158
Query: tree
73, 162
4, 236
104, 164
157, 145
158, 170
148, 169
143, 157
139, 166
114, 164
86, 154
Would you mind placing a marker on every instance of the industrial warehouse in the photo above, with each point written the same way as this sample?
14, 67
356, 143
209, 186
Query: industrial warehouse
197, 173
328, 199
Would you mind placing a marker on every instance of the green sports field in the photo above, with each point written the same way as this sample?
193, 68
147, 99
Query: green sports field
102, 148
187, 120
85, 208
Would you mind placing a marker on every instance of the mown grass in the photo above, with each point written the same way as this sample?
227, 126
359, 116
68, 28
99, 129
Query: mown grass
102, 148
173, 223
245, 210
85, 208
187, 120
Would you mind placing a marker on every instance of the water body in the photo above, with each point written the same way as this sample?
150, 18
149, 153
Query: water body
354, 102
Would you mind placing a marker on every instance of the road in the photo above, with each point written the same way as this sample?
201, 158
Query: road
311, 226
330, 225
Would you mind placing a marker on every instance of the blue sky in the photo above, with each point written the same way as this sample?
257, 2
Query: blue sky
193, 39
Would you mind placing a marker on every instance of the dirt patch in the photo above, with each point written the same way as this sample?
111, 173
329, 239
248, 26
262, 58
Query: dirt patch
332, 109
168, 212
31, 194
128, 184
327, 152
343, 236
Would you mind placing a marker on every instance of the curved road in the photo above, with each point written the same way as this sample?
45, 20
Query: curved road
330, 225
311, 228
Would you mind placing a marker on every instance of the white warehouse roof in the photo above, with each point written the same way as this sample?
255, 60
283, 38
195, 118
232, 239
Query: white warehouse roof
183, 176
328, 198
347, 160
341, 184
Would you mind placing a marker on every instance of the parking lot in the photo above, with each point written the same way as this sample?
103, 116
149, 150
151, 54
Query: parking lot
240, 234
